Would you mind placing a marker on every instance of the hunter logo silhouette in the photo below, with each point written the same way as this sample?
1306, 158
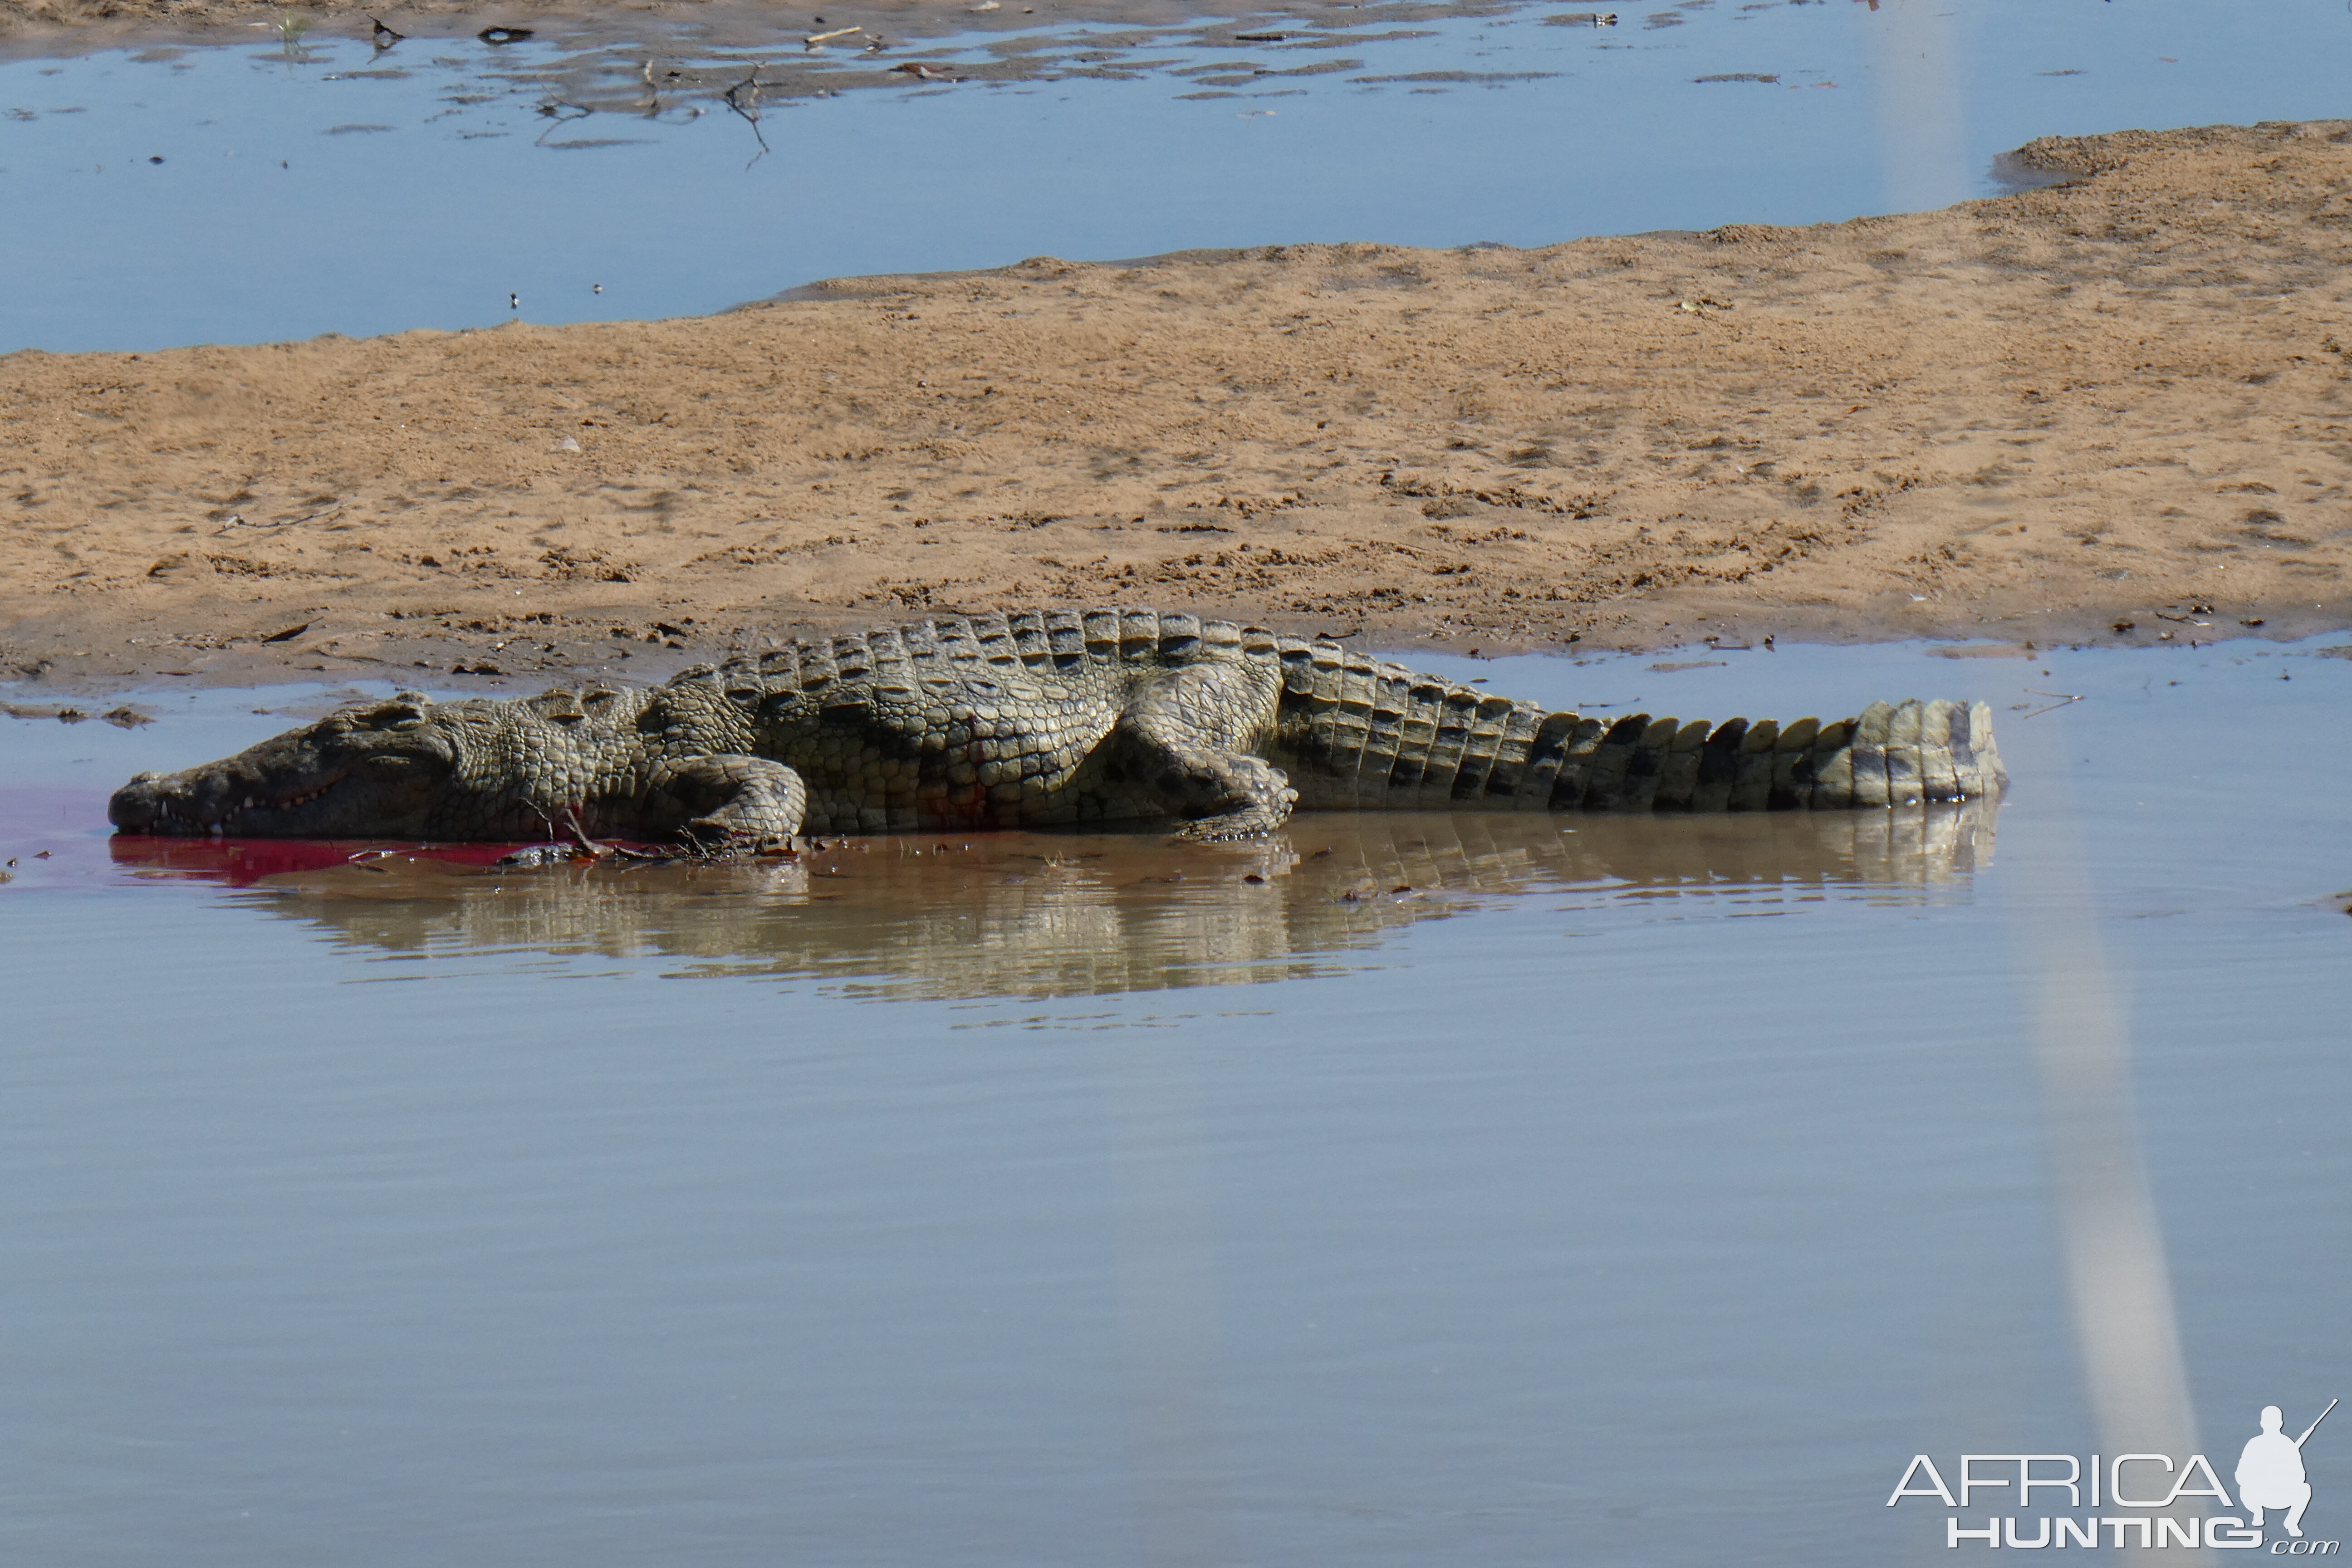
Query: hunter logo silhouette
2271, 1473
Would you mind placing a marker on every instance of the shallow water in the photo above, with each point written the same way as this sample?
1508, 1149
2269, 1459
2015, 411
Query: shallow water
1625, 1191
251, 192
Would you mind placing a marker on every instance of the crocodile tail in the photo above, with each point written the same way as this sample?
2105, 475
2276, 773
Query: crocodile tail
1360, 732
1890, 754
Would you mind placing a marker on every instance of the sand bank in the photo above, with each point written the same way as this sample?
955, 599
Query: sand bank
2123, 399
81, 23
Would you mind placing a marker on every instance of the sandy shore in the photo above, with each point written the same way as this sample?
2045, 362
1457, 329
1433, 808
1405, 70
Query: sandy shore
78, 24
2121, 400
109, 19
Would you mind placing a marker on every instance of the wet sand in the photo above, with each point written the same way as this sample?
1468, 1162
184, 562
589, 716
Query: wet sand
112, 23
2113, 408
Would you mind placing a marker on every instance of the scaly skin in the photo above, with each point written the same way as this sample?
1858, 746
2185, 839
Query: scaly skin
1026, 720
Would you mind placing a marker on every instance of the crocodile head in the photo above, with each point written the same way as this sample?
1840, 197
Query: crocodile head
378, 770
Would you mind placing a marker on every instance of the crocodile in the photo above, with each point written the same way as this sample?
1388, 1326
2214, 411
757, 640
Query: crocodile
1029, 720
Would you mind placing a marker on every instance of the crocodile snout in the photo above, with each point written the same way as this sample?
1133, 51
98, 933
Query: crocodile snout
134, 808
170, 804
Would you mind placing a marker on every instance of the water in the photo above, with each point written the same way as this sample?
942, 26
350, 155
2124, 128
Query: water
1644, 1192
1408, 1189
322, 187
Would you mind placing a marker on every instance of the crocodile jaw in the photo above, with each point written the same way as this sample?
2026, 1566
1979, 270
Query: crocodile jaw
333, 779
223, 802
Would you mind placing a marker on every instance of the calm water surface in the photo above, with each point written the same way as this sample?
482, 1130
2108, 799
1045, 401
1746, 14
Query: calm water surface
1467, 1189
1407, 1190
260, 191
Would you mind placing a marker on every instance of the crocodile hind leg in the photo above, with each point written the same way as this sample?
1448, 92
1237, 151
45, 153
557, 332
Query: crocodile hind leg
1187, 738
734, 804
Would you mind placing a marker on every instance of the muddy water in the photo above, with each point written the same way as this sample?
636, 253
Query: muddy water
278, 188
1465, 1189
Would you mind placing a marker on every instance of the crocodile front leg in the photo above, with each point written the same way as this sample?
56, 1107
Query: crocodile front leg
732, 805
1187, 736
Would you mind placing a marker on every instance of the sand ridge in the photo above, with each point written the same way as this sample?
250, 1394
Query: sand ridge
88, 24
2123, 399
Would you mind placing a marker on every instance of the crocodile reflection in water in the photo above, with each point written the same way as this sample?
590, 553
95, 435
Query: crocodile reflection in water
1069, 915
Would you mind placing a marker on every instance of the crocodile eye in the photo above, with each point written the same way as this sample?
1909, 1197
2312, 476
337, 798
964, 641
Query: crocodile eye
393, 715
744, 695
